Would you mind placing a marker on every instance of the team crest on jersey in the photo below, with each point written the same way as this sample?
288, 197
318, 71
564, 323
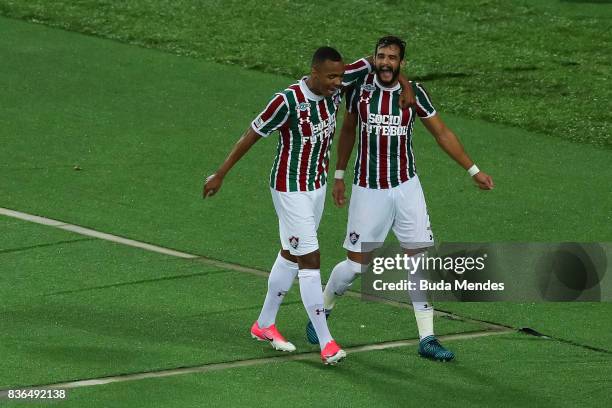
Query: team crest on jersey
303, 106
294, 242
368, 87
353, 237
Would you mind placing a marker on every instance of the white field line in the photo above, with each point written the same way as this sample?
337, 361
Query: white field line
126, 241
246, 363
93, 233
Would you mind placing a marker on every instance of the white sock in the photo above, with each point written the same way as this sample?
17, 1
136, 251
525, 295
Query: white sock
312, 297
341, 279
424, 314
423, 309
279, 282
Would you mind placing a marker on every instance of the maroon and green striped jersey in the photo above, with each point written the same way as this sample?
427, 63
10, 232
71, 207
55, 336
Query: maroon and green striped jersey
306, 123
385, 157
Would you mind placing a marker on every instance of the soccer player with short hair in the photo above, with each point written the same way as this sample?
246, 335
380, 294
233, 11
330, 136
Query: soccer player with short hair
386, 190
305, 116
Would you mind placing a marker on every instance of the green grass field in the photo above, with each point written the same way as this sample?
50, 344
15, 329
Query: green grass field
541, 65
144, 127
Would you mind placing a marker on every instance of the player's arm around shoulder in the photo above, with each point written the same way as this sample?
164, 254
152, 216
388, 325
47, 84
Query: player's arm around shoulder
407, 96
450, 143
356, 72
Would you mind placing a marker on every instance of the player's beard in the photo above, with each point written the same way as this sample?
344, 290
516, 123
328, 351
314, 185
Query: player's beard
393, 79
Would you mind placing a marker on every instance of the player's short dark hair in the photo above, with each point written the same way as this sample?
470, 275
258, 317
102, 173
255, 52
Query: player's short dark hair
391, 40
323, 54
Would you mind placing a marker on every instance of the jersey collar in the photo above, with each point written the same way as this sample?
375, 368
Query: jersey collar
307, 92
386, 88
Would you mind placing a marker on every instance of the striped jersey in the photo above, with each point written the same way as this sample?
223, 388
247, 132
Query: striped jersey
306, 123
385, 157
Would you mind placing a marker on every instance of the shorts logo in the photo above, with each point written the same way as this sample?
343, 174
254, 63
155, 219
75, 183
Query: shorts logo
353, 237
294, 242
319, 311
303, 106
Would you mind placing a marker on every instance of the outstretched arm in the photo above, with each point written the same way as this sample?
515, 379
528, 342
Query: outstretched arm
449, 142
214, 181
345, 148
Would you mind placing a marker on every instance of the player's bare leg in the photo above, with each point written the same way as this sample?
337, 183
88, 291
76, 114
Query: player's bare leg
287, 255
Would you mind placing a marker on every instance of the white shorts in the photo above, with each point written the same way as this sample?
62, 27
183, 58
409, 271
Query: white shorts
372, 212
299, 214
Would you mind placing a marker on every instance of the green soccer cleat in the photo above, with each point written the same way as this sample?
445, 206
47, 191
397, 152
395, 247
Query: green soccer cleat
311, 333
431, 348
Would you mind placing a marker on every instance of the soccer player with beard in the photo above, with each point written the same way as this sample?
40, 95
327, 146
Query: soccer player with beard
305, 116
386, 191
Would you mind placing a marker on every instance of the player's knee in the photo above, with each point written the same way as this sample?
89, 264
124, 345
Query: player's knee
287, 255
311, 260
362, 258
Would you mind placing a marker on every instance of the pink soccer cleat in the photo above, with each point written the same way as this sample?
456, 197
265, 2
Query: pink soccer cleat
272, 335
332, 353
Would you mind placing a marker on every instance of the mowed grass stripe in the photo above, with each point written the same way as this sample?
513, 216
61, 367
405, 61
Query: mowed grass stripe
250, 362
491, 325
211, 262
492, 371
127, 241
480, 56
93, 233
117, 309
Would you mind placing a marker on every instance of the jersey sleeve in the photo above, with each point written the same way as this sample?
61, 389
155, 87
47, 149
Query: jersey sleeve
356, 71
352, 99
424, 107
273, 116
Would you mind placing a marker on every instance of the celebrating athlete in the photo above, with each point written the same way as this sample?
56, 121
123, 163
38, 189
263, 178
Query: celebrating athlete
386, 190
305, 116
